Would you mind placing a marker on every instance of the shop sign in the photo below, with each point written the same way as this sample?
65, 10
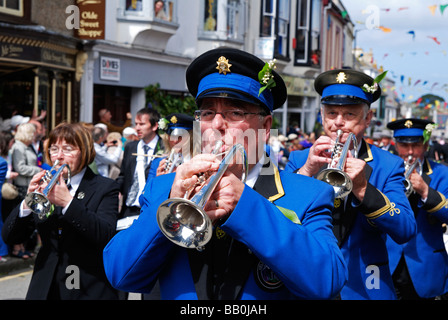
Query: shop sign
92, 17
110, 69
34, 51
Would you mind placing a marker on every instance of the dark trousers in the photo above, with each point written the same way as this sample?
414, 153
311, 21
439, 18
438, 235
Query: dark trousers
404, 288
130, 211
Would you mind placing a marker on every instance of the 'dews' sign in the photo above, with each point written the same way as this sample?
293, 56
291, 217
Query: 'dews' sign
110, 69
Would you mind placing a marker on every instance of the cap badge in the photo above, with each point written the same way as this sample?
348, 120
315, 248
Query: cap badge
408, 124
341, 77
223, 65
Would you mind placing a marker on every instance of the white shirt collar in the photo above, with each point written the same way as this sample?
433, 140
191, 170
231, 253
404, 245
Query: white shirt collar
152, 144
254, 173
75, 181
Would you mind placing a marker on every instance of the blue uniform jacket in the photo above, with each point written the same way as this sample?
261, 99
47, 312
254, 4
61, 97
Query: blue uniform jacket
385, 210
276, 253
425, 254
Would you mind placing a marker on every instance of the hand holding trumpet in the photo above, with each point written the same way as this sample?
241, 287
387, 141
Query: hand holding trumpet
59, 195
418, 184
320, 154
226, 193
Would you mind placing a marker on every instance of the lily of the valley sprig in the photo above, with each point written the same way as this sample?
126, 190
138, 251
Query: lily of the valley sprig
372, 89
163, 124
428, 131
266, 77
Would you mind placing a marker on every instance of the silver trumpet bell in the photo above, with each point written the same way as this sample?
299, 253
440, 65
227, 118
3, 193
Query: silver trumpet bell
334, 174
409, 168
184, 221
37, 201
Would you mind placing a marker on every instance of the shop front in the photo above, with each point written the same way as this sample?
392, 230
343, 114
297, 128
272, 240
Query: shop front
302, 106
38, 73
116, 77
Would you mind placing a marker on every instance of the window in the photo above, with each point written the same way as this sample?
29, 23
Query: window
306, 46
275, 24
223, 19
12, 7
150, 10
164, 10
134, 5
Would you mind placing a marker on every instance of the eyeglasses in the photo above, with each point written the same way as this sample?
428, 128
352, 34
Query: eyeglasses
229, 115
66, 150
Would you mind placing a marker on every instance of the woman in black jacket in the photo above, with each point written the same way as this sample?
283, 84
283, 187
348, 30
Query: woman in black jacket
69, 264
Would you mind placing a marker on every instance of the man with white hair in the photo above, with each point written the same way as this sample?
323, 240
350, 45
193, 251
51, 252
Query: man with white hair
376, 205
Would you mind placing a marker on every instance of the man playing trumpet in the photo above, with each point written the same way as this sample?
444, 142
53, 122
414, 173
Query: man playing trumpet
425, 254
272, 236
377, 204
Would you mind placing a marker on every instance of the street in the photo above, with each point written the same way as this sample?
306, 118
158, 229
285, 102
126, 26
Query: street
13, 286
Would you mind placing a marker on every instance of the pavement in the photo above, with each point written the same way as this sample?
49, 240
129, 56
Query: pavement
13, 264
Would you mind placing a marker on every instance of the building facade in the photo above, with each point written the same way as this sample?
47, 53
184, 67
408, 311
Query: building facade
74, 57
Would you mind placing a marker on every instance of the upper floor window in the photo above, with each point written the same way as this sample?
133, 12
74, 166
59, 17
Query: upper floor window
12, 7
223, 19
307, 38
163, 10
275, 24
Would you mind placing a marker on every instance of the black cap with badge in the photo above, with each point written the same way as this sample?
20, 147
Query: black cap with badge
176, 121
410, 130
348, 87
235, 74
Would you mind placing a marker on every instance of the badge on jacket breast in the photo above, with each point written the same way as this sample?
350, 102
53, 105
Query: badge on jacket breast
266, 279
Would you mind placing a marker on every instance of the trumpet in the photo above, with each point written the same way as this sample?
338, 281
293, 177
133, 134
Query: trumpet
409, 168
334, 174
184, 221
174, 160
38, 201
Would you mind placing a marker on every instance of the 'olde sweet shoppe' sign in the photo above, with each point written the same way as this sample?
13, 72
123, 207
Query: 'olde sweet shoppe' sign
92, 17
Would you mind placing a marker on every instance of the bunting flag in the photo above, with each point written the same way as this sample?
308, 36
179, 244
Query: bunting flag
433, 9
417, 82
402, 8
443, 7
435, 39
413, 34
384, 29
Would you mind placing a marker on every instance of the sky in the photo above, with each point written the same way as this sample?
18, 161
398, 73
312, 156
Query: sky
409, 38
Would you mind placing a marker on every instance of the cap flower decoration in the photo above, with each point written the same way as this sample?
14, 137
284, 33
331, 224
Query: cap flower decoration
266, 77
163, 124
374, 86
428, 131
